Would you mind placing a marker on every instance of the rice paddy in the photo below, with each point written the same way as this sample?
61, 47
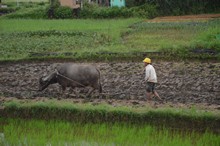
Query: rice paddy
39, 132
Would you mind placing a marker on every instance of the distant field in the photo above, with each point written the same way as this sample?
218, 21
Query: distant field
6, 1
113, 28
23, 36
87, 38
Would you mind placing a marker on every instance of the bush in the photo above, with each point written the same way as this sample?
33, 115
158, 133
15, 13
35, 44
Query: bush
114, 12
179, 7
54, 4
134, 8
145, 11
88, 10
6, 10
134, 3
63, 12
94, 11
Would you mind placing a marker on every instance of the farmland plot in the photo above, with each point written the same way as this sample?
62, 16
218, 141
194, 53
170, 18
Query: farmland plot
179, 83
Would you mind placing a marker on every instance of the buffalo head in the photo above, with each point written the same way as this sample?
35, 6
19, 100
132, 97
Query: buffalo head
45, 81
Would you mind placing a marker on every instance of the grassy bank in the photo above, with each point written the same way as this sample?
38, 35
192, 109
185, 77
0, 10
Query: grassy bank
191, 119
40, 132
107, 39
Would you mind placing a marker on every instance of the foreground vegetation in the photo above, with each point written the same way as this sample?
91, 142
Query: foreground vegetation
40, 132
107, 39
59, 123
192, 119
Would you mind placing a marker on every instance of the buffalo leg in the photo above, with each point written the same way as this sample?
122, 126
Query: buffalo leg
63, 91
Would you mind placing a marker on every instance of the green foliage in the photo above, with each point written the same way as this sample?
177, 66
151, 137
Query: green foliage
55, 3
145, 11
108, 39
94, 11
130, 3
178, 39
55, 132
107, 113
6, 10
179, 7
38, 12
21, 5
81, 38
141, 8
59, 12
88, 9
63, 13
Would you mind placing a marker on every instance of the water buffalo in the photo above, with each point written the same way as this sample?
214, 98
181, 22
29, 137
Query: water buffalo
73, 75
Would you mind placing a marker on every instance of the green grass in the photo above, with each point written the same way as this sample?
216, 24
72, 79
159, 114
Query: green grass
85, 39
111, 27
66, 123
64, 110
171, 36
25, 38
87, 36
192, 112
26, 9
39, 132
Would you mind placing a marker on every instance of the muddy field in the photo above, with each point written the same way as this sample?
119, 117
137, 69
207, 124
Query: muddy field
180, 83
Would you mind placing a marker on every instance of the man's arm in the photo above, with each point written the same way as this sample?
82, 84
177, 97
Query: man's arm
147, 74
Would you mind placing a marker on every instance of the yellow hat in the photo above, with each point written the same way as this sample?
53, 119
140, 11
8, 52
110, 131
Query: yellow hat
147, 60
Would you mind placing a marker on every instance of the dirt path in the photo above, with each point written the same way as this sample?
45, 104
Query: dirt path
180, 84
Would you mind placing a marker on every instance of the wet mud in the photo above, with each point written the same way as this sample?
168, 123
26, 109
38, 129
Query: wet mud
178, 82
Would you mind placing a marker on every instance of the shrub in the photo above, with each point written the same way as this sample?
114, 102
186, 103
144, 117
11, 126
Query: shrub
6, 10
145, 11
54, 4
63, 12
179, 7
94, 11
88, 10
114, 12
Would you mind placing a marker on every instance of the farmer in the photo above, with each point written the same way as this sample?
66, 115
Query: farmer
150, 79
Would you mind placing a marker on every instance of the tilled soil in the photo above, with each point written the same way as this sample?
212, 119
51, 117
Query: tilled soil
180, 83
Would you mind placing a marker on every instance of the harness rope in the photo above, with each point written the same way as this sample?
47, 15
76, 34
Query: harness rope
58, 74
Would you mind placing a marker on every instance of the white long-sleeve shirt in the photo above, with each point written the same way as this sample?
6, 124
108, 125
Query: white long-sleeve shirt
150, 74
